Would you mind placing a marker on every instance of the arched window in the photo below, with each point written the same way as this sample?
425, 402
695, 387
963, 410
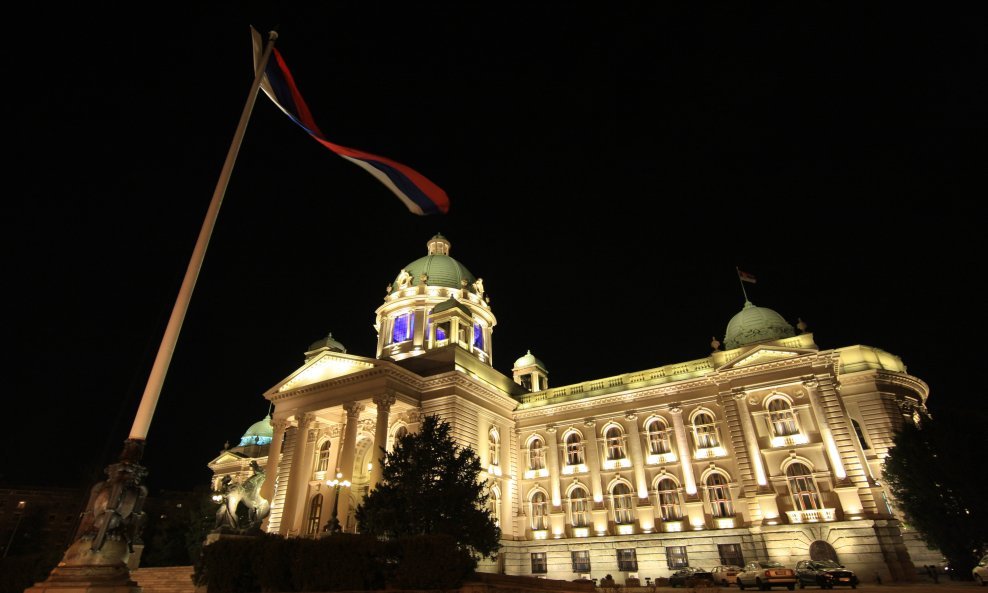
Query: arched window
802, 487
857, 430
719, 496
579, 507
782, 418
493, 447
705, 431
658, 437
667, 494
614, 439
574, 449
315, 512
494, 505
536, 454
540, 511
624, 506
323, 463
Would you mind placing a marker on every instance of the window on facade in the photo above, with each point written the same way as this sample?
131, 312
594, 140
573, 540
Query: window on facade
802, 487
536, 454
478, 336
676, 557
624, 512
441, 331
402, 328
627, 560
581, 560
857, 430
493, 447
705, 431
579, 507
719, 495
540, 511
615, 443
539, 564
782, 418
658, 438
730, 554
494, 505
323, 463
667, 494
574, 449
315, 512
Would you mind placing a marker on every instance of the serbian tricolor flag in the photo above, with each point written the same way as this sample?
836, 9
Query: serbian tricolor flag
746, 277
420, 195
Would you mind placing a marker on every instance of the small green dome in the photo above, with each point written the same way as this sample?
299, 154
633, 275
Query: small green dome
328, 342
529, 360
756, 324
439, 268
259, 433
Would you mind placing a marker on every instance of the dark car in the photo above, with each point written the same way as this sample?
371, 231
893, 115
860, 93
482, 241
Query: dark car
825, 574
689, 576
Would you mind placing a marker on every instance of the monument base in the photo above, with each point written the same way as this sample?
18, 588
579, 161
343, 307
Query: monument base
84, 571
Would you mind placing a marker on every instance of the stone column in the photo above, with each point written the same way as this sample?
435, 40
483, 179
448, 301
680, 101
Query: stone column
298, 480
383, 404
750, 437
683, 446
507, 484
554, 464
637, 457
829, 444
271, 467
590, 451
347, 452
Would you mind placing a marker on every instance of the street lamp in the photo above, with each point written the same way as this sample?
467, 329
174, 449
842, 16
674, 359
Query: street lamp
20, 507
333, 525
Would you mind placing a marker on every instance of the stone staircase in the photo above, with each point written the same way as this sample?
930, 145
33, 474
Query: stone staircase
164, 579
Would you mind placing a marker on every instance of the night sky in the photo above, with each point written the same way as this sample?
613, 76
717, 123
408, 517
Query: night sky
607, 171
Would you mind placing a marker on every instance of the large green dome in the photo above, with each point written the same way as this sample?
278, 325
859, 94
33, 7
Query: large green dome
259, 433
439, 268
756, 324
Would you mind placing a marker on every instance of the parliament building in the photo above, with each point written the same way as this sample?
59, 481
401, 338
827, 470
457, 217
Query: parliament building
767, 449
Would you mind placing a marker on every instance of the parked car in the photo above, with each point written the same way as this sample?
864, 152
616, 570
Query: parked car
980, 572
825, 574
689, 576
725, 574
766, 574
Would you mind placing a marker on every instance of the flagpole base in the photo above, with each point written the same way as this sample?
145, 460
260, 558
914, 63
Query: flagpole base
97, 561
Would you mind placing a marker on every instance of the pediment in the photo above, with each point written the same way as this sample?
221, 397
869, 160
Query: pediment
227, 457
762, 355
325, 366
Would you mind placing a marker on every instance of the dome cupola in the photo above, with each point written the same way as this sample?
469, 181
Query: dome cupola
259, 433
756, 324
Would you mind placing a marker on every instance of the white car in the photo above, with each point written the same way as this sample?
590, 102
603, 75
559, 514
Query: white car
980, 572
765, 575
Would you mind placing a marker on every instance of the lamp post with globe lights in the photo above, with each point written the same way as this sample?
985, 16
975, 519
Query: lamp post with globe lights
333, 525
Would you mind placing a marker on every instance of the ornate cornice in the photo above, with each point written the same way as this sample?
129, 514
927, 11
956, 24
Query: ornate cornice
881, 376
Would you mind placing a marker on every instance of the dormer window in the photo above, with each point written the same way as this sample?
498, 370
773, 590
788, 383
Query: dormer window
478, 336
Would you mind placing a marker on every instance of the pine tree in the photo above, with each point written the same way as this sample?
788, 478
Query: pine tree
430, 485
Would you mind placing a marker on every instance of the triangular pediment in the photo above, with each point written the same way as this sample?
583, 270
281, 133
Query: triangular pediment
764, 354
226, 457
322, 367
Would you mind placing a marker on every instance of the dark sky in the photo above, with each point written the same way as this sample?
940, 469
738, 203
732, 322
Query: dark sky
607, 170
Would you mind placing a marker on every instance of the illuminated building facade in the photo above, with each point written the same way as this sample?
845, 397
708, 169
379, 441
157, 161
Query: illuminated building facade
768, 448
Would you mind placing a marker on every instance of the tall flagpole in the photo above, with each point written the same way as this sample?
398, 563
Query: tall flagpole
743, 291
96, 561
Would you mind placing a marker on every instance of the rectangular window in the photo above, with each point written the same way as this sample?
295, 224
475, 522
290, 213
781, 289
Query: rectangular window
627, 560
478, 336
402, 330
676, 557
539, 565
581, 561
730, 554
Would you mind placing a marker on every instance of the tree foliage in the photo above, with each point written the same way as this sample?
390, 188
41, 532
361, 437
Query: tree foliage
429, 486
932, 471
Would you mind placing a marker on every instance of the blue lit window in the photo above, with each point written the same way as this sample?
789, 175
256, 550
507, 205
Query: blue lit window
478, 336
402, 328
440, 333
